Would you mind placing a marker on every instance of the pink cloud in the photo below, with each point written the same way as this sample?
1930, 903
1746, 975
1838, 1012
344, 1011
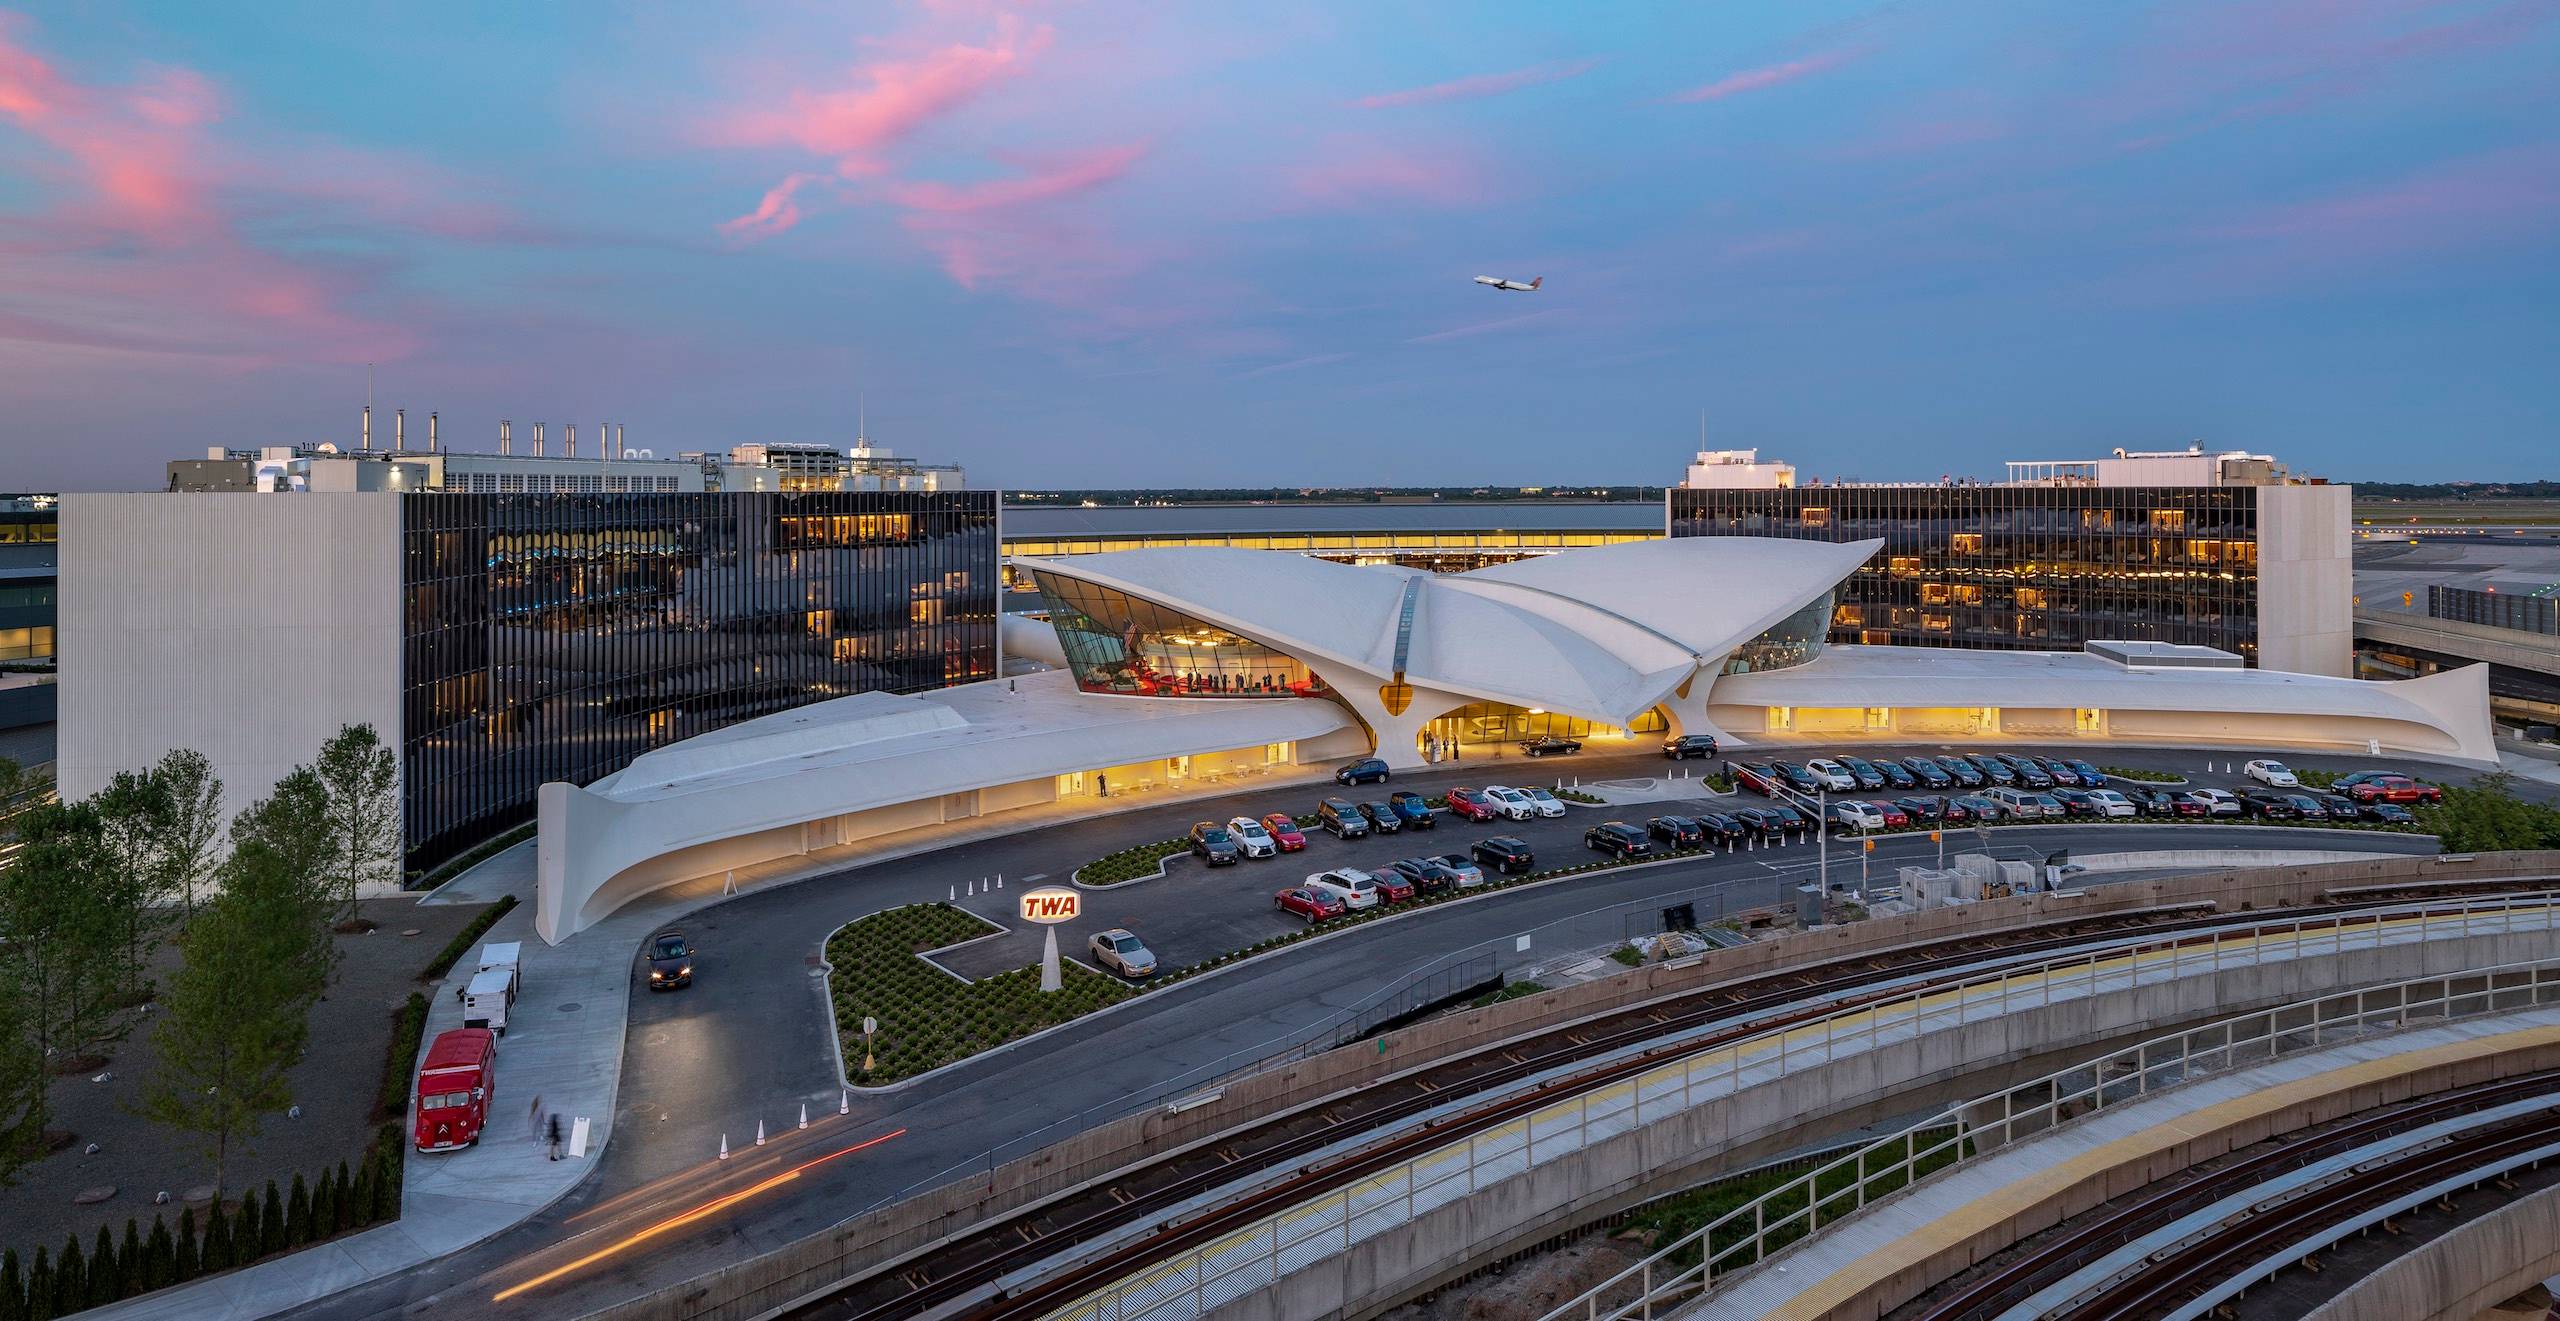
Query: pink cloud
1076, 174
1479, 85
888, 101
778, 211
1767, 76
2496, 195
1360, 173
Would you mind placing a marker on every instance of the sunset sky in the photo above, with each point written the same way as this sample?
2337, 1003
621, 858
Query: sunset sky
1149, 244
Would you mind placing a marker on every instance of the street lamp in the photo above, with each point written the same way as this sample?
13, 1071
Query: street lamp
869, 1026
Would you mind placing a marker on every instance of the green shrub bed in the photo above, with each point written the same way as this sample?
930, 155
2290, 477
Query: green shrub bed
1578, 796
929, 1018
2141, 776
464, 939
1130, 864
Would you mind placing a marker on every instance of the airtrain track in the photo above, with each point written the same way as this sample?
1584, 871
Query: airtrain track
2168, 1279
959, 1276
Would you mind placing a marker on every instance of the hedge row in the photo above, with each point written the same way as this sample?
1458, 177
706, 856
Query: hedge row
2141, 776
59, 1284
408, 1032
464, 939
1130, 864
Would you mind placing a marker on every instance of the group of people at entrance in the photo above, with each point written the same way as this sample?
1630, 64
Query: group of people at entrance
1433, 749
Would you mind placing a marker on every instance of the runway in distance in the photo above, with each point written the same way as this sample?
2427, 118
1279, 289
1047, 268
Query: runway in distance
1510, 286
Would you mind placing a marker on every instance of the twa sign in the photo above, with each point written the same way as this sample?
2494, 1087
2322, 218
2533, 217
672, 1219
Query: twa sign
1050, 906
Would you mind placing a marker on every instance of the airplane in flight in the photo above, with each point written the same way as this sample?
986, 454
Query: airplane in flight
1511, 286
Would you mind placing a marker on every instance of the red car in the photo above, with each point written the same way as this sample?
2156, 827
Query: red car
1471, 804
2394, 789
1307, 904
1894, 817
1284, 832
1393, 886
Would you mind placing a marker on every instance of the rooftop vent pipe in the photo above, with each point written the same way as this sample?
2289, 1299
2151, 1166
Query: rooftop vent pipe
368, 427
506, 436
399, 431
537, 440
434, 441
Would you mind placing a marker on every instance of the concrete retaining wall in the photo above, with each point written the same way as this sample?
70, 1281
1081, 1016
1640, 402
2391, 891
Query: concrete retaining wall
884, 1237
2463, 1273
1385, 1269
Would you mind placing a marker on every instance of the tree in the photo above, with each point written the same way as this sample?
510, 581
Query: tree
23, 1108
2487, 817
133, 818
190, 1259
279, 848
192, 846
361, 780
65, 935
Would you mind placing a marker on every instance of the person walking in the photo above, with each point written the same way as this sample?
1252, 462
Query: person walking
553, 1133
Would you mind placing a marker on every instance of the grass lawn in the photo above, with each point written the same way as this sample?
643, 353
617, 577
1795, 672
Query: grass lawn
929, 1018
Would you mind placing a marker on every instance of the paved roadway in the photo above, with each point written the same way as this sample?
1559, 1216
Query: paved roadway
753, 1038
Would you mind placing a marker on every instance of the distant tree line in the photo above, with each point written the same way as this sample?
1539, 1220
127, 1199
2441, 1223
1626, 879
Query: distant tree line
1338, 495
2535, 490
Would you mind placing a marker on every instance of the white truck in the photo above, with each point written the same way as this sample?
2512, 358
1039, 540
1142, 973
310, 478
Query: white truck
491, 992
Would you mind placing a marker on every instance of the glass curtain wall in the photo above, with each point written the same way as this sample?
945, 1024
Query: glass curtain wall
556, 637
1790, 642
1117, 643
2041, 568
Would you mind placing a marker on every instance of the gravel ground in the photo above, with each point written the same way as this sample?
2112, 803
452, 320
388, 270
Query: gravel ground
335, 1084
1526, 1290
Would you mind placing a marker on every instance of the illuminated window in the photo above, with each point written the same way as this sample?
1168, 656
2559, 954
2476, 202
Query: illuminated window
1903, 565
1938, 623
1817, 516
2031, 598
1966, 543
2168, 520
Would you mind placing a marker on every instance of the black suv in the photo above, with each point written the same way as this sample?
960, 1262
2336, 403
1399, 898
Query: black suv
1617, 839
1382, 818
1690, 745
1428, 875
1720, 827
1340, 817
1211, 844
1367, 770
1677, 831
670, 961
1504, 854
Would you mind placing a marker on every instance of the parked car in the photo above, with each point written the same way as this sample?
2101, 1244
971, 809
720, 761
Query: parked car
1896, 776
2387, 787
1211, 844
1689, 745
1929, 773
1549, 745
2065, 772
2090, 776
1425, 875
2269, 805
1546, 803
1991, 768
1617, 839
2307, 806
1763, 822
1851, 816
1789, 821
1413, 809
670, 961
1504, 853
2010, 803
1894, 817
1342, 819
1367, 770
2273, 774
1284, 832
2111, 804
2076, 802
1394, 887
1464, 868
1828, 774
1382, 818
1677, 831
1719, 827
1354, 887
1758, 777
455, 1083
1974, 807
2029, 773
1252, 838
2389, 814
1861, 770
1800, 779
1471, 804
1963, 772
2151, 801
2216, 802
1922, 810
1511, 803
2338, 806
1123, 953
1311, 904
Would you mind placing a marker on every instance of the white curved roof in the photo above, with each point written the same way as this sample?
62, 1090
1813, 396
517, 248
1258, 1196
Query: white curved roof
1603, 633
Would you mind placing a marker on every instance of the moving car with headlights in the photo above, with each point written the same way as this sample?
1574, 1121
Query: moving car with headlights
1471, 804
1462, 867
1338, 816
1413, 809
670, 961
1504, 853
1617, 839
1354, 887
1255, 841
1547, 804
1382, 818
1546, 745
1313, 905
1678, 832
1367, 770
1284, 832
1123, 953
1689, 745
1510, 802
2273, 774
1211, 844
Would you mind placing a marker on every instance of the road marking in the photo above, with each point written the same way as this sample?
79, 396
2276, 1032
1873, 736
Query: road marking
1035, 876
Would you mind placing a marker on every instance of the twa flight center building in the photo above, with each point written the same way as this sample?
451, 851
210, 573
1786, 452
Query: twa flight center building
1181, 671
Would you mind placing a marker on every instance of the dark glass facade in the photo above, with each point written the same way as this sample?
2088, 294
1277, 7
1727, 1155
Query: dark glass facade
1117, 643
2524, 613
556, 637
2024, 567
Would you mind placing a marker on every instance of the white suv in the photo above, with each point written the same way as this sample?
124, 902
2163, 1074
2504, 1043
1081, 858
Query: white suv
1252, 838
1831, 775
1355, 888
1511, 803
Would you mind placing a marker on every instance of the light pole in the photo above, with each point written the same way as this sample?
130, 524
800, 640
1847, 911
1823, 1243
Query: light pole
869, 1026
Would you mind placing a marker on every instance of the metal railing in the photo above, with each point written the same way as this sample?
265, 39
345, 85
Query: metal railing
1208, 1276
1763, 1228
